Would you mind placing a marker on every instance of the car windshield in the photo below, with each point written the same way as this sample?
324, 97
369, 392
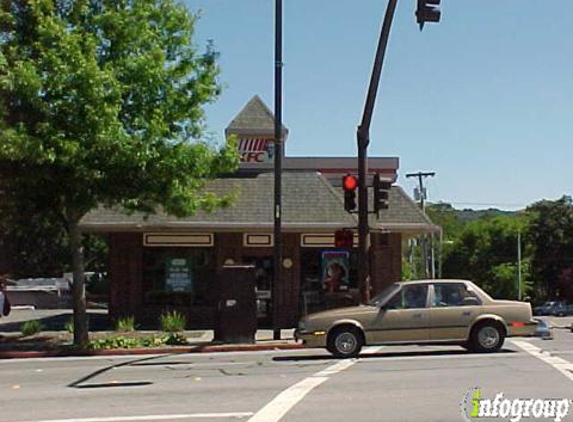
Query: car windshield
384, 295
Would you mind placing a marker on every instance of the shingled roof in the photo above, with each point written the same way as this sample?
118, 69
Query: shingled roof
253, 119
402, 215
309, 202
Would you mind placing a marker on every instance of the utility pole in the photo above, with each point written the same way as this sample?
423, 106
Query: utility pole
279, 148
363, 139
421, 176
424, 247
441, 258
518, 263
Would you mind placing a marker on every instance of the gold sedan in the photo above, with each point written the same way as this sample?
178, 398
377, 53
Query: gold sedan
420, 312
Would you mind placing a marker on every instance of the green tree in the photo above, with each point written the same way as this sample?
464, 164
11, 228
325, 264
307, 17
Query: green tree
486, 252
445, 216
34, 241
101, 103
550, 233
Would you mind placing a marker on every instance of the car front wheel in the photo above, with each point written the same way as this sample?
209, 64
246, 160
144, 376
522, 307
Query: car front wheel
487, 337
345, 342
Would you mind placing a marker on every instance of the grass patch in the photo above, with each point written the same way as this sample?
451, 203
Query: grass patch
172, 322
29, 328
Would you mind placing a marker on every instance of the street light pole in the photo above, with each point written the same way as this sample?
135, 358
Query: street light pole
277, 255
363, 139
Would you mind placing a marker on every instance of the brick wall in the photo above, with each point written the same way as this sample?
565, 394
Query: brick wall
126, 250
385, 260
125, 265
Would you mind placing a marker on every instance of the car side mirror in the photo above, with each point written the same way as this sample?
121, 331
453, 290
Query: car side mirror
471, 301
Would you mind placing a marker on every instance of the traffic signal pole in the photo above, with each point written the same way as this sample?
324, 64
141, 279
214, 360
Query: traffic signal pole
363, 139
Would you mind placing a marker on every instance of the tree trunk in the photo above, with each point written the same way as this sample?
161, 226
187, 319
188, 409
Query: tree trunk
78, 286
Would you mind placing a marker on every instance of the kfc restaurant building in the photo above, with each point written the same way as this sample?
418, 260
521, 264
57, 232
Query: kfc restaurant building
161, 262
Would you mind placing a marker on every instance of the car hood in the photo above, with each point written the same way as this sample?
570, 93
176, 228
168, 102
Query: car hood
347, 312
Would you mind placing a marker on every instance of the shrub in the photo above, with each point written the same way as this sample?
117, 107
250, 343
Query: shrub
29, 328
125, 324
69, 326
153, 341
121, 342
114, 343
175, 339
172, 322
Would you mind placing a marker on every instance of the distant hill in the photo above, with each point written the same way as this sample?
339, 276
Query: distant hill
467, 215
453, 220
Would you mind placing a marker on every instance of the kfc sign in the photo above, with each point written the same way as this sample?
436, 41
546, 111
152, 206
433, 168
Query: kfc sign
256, 150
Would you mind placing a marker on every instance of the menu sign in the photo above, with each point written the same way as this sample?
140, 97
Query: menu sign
178, 275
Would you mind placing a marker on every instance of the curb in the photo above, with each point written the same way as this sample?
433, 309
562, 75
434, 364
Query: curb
151, 351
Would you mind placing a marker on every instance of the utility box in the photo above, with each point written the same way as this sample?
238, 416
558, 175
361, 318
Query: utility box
237, 308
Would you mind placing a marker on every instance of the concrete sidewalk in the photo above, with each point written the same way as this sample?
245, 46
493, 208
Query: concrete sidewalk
54, 340
199, 342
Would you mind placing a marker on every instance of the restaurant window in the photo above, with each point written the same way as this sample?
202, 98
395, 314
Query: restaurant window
329, 279
177, 276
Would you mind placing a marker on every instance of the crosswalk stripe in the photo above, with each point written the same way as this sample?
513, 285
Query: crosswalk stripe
563, 366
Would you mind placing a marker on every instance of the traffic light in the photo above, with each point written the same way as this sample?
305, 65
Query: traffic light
427, 11
381, 193
349, 184
343, 239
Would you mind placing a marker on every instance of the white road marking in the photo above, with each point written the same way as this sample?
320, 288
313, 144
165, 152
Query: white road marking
287, 399
154, 417
371, 350
563, 366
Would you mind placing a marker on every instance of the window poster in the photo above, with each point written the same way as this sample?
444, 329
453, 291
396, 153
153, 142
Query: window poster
178, 276
335, 266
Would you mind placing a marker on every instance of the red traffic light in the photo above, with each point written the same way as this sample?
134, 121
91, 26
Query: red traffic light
349, 183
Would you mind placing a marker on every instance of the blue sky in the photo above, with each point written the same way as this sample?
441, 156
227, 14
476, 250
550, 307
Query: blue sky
484, 99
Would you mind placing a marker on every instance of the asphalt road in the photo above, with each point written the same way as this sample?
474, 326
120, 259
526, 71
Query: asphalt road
402, 383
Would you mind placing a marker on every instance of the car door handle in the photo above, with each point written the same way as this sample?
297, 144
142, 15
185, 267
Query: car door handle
466, 313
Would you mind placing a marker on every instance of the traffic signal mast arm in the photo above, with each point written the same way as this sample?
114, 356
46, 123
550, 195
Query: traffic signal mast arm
426, 12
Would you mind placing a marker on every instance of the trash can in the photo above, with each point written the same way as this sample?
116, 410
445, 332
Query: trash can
237, 307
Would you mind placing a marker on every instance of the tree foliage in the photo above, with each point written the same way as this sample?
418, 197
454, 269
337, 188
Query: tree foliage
105, 96
484, 248
485, 251
550, 233
101, 103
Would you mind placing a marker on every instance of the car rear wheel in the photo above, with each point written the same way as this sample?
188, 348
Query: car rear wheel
345, 342
487, 337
